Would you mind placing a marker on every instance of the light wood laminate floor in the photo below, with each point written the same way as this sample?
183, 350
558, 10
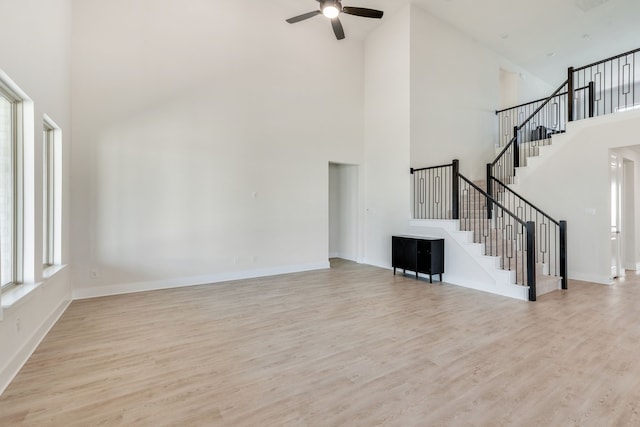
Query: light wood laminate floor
349, 346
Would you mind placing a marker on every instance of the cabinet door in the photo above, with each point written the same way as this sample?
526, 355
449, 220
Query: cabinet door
404, 253
424, 256
437, 257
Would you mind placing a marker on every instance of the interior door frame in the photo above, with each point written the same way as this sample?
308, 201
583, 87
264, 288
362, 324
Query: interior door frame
616, 236
629, 213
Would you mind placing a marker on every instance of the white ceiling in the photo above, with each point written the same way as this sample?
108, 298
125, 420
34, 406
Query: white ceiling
543, 36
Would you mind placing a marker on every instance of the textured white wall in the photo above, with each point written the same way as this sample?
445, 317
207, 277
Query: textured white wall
202, 145
35, 46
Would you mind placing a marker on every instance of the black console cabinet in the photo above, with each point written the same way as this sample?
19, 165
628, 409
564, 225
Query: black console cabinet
418, 254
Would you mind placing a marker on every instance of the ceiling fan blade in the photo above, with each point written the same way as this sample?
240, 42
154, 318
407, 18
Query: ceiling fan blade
303, 17
337, 28
363, 11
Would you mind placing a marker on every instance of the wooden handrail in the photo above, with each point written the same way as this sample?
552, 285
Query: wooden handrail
553, 95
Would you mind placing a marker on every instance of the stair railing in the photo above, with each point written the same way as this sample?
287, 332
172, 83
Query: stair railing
613, 85
600, 88
441, 192
505, 235
435, 192
548, 118
551, 234
554, 120
596, 89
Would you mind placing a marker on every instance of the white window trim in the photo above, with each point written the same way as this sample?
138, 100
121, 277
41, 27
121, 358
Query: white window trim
18, 181
26, 181
56, 195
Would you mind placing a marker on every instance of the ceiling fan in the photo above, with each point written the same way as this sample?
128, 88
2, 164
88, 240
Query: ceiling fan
332, 9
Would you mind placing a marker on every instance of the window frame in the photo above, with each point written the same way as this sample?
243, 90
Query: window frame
51, 192
17, 173
48, 195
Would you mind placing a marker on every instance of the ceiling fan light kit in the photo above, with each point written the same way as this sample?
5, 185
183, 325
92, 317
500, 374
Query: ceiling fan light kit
332, 9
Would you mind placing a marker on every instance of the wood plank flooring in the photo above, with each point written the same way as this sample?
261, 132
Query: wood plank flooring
349, 346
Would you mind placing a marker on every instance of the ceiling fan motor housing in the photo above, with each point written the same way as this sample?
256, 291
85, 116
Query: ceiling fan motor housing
331, 3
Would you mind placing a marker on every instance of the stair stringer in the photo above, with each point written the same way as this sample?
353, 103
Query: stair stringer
465, 263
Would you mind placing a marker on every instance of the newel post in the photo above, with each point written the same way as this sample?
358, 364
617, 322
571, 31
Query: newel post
455, 189
531, 259
563, 254
570, 94
516, 149
592, 98
489, 191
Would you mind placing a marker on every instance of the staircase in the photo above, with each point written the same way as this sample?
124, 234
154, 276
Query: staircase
488, 229
506, 231
510, 250
601, 88
505, 238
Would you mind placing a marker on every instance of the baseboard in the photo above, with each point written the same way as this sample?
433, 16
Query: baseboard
334, 254
375, 264
128, 288
509, 291
603, 280
11, 369
345, 257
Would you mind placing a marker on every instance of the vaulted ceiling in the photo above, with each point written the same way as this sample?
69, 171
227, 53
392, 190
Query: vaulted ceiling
543, 36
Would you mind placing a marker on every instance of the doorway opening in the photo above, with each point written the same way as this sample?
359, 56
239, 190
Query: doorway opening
629, 215
615, 168
625, 227
343, 211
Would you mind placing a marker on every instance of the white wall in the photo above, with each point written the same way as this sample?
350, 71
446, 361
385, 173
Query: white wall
201, 145
455, 91
571, 182
387, 134
508, 88
35, 44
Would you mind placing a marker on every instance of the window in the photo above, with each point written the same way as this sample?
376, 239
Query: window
10, 189
50, 169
